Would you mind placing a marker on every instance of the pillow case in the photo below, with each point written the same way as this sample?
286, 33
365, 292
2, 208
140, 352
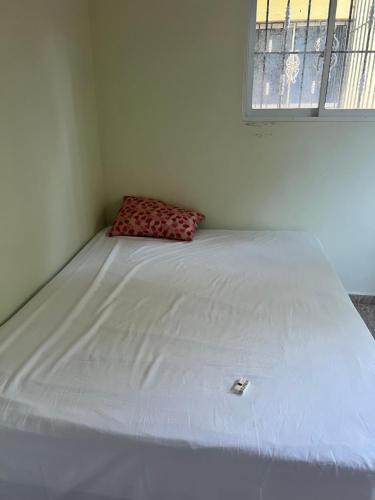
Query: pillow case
139, 216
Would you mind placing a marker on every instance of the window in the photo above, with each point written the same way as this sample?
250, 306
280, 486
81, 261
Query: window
311, 59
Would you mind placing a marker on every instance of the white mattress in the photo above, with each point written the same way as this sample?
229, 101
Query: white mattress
115, 379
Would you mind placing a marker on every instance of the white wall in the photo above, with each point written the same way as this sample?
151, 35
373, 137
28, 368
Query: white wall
50, 174
169, 75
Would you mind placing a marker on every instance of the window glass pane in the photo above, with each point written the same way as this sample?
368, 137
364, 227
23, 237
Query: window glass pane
288, 62
351, 82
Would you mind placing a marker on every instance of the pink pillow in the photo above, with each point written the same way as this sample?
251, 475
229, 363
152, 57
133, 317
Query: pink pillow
147, 217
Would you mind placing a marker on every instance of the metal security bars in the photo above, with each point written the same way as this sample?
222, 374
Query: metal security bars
311, 59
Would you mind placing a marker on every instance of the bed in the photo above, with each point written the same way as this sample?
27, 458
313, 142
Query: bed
115, 379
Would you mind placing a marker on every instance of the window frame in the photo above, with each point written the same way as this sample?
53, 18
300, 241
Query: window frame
319, 114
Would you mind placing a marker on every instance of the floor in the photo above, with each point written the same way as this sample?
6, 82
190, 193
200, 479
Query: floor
366, 308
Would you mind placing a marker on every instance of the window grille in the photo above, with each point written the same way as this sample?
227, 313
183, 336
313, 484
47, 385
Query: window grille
311, 59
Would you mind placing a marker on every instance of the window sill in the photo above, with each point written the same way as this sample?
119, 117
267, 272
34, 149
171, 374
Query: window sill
328, 117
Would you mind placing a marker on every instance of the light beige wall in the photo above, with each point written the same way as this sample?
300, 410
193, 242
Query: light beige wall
169, 78
50, 174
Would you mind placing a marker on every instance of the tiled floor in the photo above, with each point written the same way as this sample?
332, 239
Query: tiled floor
366, 308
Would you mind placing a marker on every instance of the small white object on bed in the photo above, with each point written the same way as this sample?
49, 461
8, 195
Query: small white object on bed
115, 379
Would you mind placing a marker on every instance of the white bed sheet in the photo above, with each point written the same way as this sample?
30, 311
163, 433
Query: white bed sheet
115, 378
